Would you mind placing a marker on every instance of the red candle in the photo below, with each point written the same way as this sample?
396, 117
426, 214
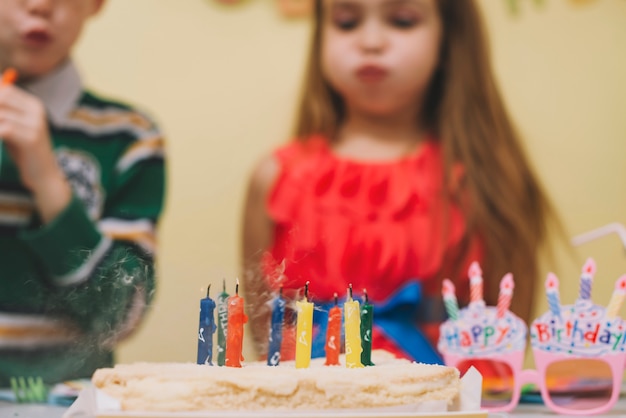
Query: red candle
476, 284
234, 337
333, 335
506, 293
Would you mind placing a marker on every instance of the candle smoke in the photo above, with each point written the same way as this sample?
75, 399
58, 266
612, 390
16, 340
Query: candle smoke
108, 307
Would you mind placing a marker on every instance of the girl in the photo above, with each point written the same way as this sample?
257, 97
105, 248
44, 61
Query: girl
405, 168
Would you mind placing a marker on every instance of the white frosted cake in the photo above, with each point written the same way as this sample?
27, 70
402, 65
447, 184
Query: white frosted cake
191, 387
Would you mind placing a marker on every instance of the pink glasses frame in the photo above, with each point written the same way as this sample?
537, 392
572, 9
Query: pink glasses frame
515, 360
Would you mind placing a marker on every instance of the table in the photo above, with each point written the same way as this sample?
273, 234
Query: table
11, 410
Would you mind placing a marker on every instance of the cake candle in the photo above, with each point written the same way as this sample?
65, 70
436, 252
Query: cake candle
304, 330
352, 325
206, 329
333, 335
552, 291
617, 298
234, 338
222, 325
449, 299
506, 294
276, 329
586, 279
476, 284
367, 319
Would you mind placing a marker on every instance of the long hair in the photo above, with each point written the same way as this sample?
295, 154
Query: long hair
507, 206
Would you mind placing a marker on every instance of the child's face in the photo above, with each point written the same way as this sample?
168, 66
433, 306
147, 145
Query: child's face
380, 55
37, 35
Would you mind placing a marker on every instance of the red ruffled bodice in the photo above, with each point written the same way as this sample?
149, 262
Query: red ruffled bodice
375, 225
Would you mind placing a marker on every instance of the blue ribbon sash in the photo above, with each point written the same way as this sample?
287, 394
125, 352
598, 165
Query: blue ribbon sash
396, 318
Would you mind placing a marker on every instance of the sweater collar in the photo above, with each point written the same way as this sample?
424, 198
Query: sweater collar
60, 91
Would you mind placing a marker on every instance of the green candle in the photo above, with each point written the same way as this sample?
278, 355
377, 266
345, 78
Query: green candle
367, 317
222, 325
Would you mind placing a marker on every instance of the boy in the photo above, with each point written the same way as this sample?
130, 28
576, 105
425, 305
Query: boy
81, 190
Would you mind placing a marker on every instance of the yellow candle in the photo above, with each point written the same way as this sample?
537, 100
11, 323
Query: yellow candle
352, 319
617, 298
304, 330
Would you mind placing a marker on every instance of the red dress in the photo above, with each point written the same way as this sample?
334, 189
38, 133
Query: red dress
375, 225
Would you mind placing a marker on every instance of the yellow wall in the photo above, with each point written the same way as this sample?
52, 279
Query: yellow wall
562, 69
223, 80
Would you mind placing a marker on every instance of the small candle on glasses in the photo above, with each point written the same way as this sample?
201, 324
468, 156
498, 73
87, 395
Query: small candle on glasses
304, 330
586, 279
367, 319
352, 325
222, 325
206, 329
506, 294
449, 299
333, 335
234, 337
476, 284
276, 329
617, 298
552, 291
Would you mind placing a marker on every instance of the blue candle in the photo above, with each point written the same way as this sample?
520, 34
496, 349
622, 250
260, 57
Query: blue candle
586, 279
206, 330
276, 329
552, 291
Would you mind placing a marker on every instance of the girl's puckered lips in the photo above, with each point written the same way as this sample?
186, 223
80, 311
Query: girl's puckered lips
371, 73
36, 38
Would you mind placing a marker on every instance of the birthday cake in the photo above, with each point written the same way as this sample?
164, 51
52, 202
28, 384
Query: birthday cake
256, 386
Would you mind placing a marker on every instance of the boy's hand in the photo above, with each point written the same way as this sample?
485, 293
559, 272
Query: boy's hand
24, 130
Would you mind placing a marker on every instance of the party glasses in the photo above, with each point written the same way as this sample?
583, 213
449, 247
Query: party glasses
578, 349
574, 385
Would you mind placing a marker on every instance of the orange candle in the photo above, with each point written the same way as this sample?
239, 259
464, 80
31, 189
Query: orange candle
333, 335
9, 76
234, 337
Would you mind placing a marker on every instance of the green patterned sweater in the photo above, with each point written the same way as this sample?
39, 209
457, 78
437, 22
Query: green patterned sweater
70, 290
